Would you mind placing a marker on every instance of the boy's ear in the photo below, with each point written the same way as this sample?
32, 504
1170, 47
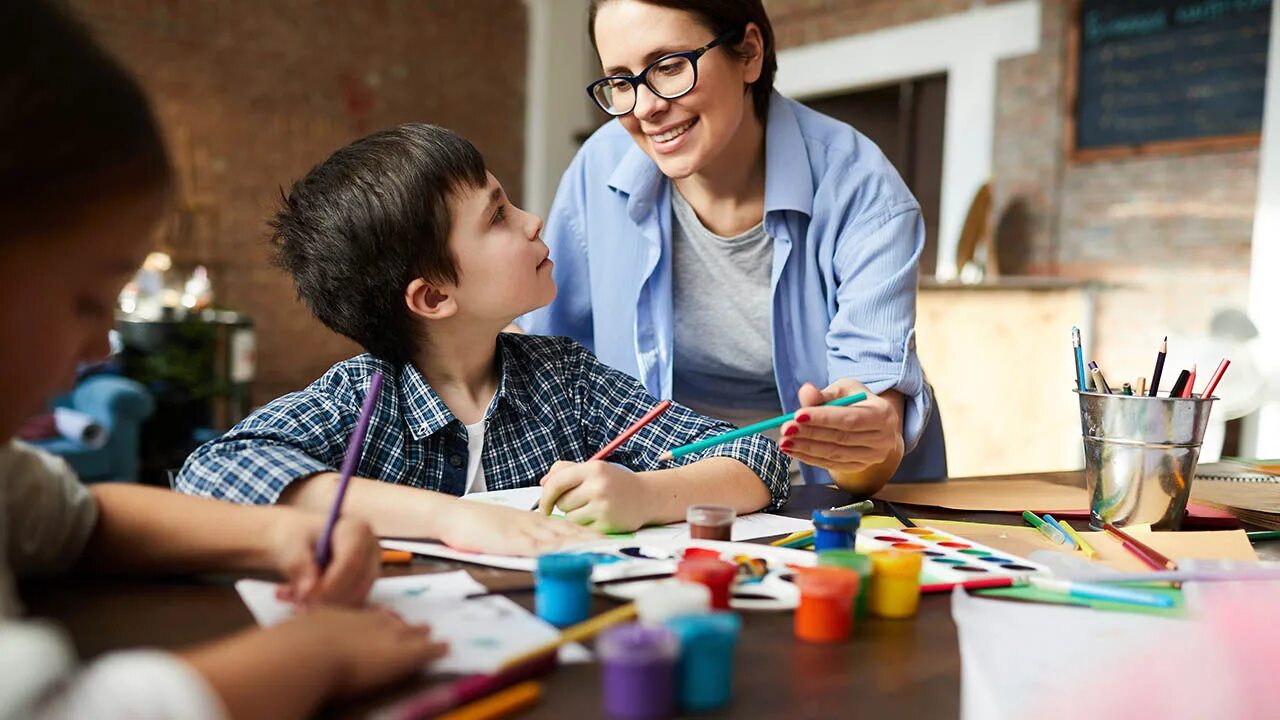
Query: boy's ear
429, 302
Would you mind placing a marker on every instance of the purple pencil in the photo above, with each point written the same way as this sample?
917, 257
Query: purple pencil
324, 550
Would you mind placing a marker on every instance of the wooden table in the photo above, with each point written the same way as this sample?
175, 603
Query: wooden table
905, 668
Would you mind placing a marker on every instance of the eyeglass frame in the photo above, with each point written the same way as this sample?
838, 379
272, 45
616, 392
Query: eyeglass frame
643, 78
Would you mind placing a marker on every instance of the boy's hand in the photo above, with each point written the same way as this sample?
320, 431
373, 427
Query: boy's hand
478, 527
371, 647
597, 494
356, 562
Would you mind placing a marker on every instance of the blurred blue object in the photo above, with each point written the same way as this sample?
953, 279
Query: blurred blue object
120, 405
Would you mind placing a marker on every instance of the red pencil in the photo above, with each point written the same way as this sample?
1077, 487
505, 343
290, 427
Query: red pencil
1146, 554
635, 427
969, 585
1217, 376
1190, 389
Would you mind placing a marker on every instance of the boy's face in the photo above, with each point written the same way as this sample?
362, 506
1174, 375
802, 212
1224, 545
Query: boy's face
58, 295
504, 269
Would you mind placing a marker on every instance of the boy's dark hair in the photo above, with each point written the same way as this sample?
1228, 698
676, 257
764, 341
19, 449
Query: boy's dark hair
369, 220
73, 123
720, 17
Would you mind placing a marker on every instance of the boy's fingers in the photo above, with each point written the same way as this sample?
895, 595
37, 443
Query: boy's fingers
553, 486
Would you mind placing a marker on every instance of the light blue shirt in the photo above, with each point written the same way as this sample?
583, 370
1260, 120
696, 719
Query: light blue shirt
847, 240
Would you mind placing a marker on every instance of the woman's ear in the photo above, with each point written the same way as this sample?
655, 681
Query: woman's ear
751, 49
428, 301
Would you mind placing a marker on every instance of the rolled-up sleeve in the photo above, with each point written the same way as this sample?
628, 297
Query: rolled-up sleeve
293, 437
872, 335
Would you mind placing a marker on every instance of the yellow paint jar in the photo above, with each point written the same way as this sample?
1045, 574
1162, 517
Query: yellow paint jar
895, 583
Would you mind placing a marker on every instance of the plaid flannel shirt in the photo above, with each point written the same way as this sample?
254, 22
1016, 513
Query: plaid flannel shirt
555, 401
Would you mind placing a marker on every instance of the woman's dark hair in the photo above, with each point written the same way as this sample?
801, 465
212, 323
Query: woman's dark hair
369, 220
720, 17
73, 123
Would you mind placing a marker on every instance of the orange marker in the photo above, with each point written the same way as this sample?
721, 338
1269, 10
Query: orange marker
396, 557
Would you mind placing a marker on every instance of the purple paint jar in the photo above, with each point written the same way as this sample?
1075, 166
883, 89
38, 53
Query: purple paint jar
638, 666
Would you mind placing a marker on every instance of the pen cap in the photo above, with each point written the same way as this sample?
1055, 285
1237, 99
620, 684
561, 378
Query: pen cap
669, 599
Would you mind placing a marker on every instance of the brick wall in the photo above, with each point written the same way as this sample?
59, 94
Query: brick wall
1170, 235
252, 94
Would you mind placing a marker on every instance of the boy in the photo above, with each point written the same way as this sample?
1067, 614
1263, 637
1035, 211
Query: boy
83, 182
403, 242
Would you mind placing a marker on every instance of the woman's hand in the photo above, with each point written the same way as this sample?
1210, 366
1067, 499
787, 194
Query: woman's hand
597, 494
355, 564
860, 444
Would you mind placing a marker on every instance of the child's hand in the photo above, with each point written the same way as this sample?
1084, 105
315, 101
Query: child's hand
371, 647
478, 527
356, 562
598, 494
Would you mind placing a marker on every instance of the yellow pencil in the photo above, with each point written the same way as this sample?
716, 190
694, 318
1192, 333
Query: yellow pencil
581, 631
500, 704
1085, 547
793, 537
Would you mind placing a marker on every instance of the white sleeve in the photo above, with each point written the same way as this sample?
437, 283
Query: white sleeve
135, 684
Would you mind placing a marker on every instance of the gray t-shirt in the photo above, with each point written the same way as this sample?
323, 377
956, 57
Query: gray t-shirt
723, 355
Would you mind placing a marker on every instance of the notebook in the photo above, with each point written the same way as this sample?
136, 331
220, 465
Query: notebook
1233, 471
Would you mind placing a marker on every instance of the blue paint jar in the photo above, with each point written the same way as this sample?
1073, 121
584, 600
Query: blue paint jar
835, 529
704, 676
562, 593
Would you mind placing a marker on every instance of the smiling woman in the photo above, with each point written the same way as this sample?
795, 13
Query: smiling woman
739, 252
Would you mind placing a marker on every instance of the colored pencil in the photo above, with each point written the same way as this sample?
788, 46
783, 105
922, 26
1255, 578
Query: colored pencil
1141, 387
1092, 591
1179, 385
862, 506
1084, 546
759, 427
894, 511
1264, 535
615, 443
1148, 555
396, 557
443, 698
1058, 526
1215, 378
1191, 383
983, 584
793, 537
1155, 376
501, 704
324, 550
581, 631
1045, 528
1099, 380
1081, 382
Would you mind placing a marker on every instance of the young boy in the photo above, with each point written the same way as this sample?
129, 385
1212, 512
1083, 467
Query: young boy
83, 182
403, 242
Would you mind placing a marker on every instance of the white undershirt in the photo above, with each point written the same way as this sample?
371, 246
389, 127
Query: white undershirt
475, 446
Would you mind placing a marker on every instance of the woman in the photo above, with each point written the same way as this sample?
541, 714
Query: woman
739, 252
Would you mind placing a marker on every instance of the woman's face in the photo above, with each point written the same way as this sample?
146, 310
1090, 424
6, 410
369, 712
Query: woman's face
685, 135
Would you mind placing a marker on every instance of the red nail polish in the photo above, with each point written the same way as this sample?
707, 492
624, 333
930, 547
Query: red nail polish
791, 430
802, 417
787, 445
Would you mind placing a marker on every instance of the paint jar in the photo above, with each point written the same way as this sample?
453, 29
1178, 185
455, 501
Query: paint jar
895, 583
825, 613
562, 593
638, 668
716, 575
856, 562
835, 529
704, 675
710, 522
692, 553
672, 598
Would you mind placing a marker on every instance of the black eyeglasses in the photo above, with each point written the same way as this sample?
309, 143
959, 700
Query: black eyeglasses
669, 77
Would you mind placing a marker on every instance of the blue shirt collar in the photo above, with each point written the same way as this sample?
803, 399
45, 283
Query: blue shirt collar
788, 183
425, 413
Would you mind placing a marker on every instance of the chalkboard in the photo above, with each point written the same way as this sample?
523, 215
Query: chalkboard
1166, 75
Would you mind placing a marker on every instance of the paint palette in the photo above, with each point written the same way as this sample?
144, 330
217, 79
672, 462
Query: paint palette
947, 557
763, 576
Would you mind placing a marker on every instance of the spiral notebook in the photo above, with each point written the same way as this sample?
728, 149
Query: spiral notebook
1231, 471
1241, 489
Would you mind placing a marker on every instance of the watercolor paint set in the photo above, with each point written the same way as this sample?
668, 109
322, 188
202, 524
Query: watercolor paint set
947, 557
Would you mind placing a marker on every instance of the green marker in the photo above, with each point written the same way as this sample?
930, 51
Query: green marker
751, 429
1264, 535
1045, 528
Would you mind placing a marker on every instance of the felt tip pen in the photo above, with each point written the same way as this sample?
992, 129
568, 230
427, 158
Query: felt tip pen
1058, 526
1106, 593
1045, 528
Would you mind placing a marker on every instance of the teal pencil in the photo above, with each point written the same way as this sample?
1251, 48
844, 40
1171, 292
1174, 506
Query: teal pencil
749, 430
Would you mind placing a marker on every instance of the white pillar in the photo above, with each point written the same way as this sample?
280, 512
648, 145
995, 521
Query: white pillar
1262, 432
556, 105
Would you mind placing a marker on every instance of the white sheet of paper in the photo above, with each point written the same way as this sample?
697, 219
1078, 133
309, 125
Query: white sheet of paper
482, 632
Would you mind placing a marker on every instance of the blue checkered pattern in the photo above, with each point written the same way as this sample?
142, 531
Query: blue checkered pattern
555, 401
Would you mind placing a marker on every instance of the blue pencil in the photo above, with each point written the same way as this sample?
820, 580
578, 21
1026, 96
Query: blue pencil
1081, 382
324, 550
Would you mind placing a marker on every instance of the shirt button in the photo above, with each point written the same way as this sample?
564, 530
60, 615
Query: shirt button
455, 460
